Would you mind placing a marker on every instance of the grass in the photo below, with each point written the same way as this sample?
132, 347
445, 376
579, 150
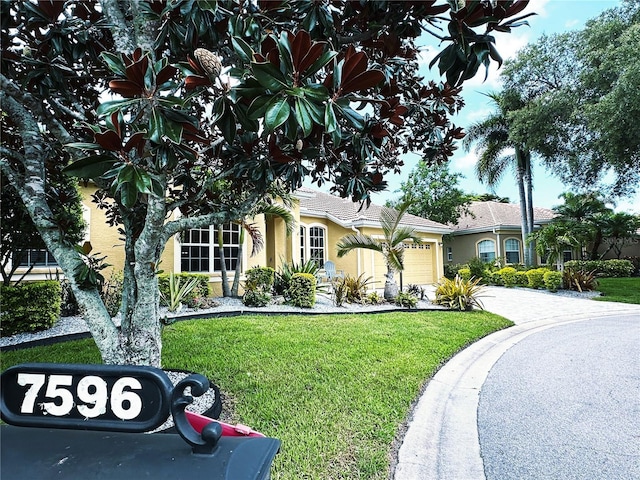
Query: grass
624, 290
334, 389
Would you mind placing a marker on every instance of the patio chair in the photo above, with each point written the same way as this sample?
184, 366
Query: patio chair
331, 272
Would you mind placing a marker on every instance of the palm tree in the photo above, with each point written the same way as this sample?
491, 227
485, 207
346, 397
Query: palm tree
266, 208
619, 229
554, 239
391, 246
588, 213
493, 142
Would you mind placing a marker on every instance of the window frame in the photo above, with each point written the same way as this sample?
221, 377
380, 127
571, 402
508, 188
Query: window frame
480, 253
307, 244
212, 256
507, 251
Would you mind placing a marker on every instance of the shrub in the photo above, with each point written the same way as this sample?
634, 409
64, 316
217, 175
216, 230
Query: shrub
256, 298
302, 291
579, 280
415, 290
354, 288
404, 299
521, 279
507, 276
464, 273
477, 267
374, 298
179, 289
111, 293
259, 278
458, 294
200, 290
491, 278
68, 303
30, 307
552, 280
451, 269
535, 277
287, 270
603, 268
257, 286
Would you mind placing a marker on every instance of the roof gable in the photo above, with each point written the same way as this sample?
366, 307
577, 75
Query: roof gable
489, 215
347, 213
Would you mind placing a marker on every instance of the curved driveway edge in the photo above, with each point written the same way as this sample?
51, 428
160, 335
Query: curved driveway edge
442, 440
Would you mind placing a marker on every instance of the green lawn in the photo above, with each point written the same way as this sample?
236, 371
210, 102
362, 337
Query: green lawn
625, 290
334, 389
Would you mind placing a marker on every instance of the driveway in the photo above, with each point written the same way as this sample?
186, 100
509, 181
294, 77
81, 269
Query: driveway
574, 357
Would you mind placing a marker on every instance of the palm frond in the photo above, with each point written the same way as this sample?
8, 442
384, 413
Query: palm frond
353, 241
281, 212
257, 239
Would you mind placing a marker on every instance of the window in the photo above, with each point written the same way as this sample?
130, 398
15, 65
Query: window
450, 254
512, 250
197, 245
312, 244
566, 255
487, 250
36, 257
303, 244
317, 245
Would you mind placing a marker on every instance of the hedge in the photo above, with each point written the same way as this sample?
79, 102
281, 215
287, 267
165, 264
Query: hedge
603, 268
30, 307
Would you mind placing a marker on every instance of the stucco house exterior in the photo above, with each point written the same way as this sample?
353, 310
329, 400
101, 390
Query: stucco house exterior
491, 231
322, 219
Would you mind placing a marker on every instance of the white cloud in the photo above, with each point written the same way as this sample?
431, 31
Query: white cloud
464, 163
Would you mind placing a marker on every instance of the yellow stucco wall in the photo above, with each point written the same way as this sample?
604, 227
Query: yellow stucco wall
280, 247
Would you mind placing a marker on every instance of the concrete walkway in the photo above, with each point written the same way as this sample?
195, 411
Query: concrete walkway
443, 440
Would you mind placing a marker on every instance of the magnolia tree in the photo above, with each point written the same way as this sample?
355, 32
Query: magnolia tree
186, 113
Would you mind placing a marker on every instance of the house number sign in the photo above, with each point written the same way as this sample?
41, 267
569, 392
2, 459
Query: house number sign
89, 397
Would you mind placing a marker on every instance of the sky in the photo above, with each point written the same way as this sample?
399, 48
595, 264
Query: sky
553, 16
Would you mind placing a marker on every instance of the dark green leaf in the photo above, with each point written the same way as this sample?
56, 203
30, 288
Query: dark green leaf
320, 63
114, 62
156, 126
107, 108
259, 106
330, 120
303, 117
227, 124
219, 107
277, 114
242, 48
269, 76
128, 194
92, 167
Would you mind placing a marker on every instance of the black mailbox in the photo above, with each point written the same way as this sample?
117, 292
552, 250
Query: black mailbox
86, 422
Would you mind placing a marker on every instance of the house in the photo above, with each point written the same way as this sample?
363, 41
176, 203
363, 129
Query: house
491, 231
322, 219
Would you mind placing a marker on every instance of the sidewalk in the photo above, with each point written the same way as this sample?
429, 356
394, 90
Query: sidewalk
442, 441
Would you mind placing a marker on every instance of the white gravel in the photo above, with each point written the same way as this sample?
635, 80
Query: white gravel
324, 304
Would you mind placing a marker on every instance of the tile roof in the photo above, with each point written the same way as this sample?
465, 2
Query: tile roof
347, 213
488, 215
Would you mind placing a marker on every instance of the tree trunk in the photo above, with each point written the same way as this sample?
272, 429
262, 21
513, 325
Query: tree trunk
236, 279
531, 261
520, 174
223, 263
390, 285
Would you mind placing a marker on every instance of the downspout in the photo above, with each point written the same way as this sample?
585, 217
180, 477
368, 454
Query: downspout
358, 253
